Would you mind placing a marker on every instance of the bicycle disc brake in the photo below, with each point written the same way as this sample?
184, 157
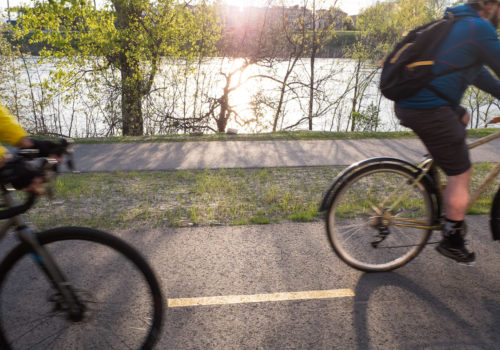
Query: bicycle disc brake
61, 308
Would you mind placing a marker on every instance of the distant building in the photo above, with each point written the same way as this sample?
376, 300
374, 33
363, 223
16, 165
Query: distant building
242, 26
253, 18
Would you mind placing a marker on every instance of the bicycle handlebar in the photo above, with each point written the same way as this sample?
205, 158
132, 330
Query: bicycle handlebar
47, 166
63, 149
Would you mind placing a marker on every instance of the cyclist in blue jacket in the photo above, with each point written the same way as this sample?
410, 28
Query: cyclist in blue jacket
436, 116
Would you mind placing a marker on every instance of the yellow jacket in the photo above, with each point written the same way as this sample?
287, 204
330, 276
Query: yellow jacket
10, 130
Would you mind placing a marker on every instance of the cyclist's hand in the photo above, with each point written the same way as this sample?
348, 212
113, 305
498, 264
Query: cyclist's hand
22, 175
463, 114
4, 159
466, 118
36, 186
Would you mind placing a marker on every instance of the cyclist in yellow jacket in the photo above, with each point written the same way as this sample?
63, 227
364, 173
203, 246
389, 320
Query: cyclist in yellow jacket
12, 133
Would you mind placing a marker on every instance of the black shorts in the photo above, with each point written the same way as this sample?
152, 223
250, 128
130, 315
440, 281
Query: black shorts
442, 132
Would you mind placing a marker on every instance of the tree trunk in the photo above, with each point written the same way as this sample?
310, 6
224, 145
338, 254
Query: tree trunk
311, 92
224, 111
127, 14
291, 66
222, 122
280, 104
132, 123
478, 112
314, 48
355, 97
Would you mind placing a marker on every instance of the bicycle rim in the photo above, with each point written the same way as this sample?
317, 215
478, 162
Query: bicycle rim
121, 294
360, 216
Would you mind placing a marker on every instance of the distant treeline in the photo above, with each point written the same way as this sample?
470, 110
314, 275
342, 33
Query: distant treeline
337, 47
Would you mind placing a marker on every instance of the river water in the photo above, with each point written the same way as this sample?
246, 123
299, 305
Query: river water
87, 107
257, 92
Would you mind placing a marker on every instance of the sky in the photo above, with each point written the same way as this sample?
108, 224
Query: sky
352, 7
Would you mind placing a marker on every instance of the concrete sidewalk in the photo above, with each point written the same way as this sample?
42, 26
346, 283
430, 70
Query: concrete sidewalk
252, 154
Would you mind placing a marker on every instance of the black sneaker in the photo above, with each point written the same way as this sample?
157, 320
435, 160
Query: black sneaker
456, 252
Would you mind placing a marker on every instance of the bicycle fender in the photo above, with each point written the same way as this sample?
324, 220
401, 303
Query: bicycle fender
495, 217
427, 181
328, 198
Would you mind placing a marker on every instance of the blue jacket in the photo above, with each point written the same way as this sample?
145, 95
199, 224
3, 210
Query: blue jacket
471, 40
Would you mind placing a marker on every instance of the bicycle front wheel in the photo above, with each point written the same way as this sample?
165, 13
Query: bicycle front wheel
379, 217
120, 294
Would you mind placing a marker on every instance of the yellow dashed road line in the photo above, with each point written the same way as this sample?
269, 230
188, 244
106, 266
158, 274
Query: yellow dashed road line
259, 298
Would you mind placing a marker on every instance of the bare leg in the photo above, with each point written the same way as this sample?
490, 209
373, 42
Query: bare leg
456, 195
456, 198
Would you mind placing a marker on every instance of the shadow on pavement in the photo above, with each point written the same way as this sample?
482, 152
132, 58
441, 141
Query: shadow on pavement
428, 332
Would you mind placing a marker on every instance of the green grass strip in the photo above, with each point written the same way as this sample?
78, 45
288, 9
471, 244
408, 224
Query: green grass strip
276, 136
142, 200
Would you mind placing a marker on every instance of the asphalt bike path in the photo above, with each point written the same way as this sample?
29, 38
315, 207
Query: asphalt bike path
214, 280
252, 154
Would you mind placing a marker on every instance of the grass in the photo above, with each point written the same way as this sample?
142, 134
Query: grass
483, 204
142, 200
184, 198
282, 135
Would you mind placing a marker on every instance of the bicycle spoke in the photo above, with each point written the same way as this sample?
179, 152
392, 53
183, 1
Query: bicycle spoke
356, 225
44, 339
112, 331
145, 321
350, 230
38, 321
399, 233
56, 338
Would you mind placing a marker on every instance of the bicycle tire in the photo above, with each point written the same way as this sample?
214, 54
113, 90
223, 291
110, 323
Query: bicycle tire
495, 217
353, 226
120, 289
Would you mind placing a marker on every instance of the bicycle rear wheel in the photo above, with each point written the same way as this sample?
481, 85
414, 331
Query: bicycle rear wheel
367, 227
123, 301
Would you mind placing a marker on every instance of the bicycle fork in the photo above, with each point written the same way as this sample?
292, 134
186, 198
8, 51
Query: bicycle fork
69, 299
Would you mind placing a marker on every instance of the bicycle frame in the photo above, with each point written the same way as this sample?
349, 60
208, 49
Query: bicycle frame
426, 166
41, 256
492, 174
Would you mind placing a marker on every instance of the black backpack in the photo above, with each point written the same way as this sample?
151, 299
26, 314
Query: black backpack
408, 68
